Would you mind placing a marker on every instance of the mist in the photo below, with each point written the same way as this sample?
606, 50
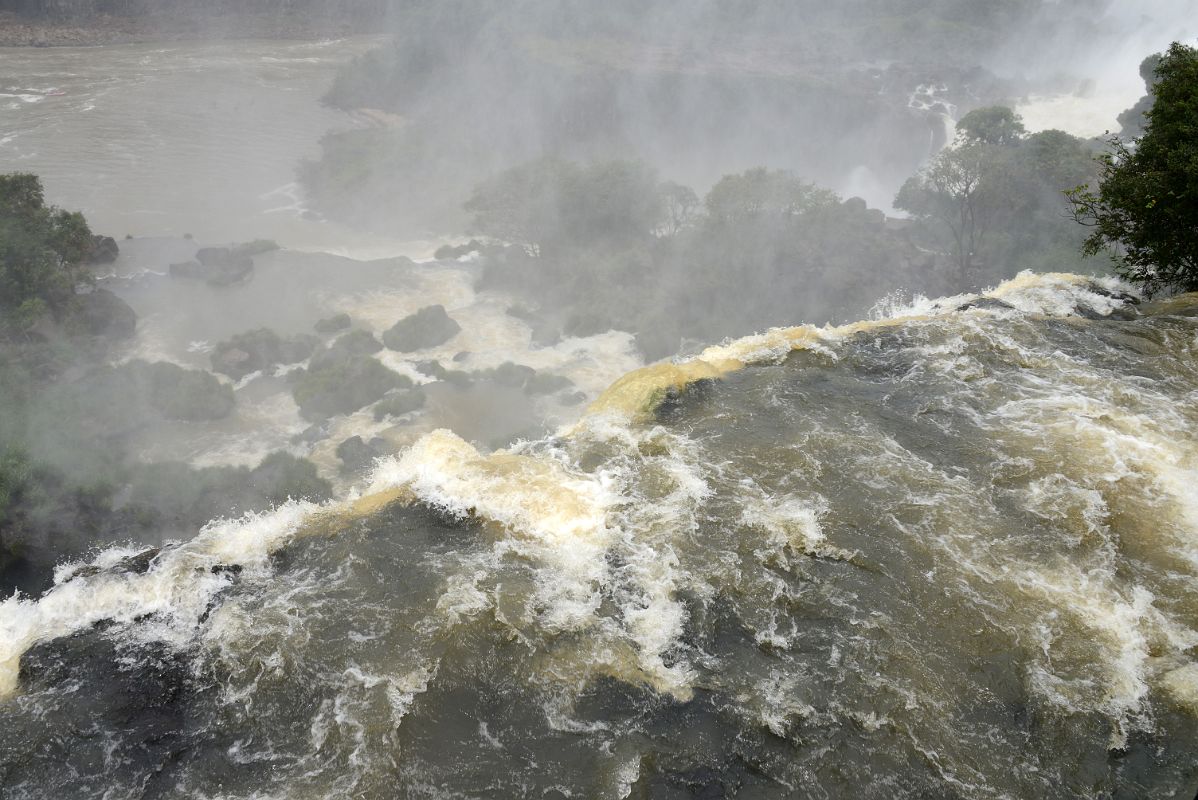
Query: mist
682, 398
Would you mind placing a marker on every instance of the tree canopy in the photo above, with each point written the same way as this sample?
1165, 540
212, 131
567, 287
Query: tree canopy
42, 252
1145, 209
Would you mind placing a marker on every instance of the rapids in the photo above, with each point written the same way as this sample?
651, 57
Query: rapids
950, 551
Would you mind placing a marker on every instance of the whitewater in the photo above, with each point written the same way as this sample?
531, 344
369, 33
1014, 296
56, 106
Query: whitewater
949, 551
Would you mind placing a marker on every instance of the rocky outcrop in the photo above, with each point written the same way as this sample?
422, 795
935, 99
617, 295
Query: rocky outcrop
398, 403
333, 324
260, 349
104, 250
357, 454
101, 313
216, 266
333, 385
428, 327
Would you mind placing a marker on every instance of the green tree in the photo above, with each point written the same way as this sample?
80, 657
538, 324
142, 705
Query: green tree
1145, 209
552, 203
760, 193
969, 191
996, 125
42, 253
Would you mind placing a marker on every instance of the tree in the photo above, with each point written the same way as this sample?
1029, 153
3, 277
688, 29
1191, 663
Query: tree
760, 193
42, 253
996, 125
681, 206
1145, 209
968, 190
551, 203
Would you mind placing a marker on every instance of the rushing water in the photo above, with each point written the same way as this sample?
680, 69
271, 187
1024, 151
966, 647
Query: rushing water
945, 553
950, 552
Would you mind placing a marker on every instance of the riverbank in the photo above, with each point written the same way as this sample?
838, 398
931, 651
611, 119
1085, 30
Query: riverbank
19, 31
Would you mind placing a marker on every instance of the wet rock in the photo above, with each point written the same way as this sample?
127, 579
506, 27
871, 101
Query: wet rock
218, 266
104, 250
342, 386
225, 569
354, 343
397, 404
448, 252
311, 434
102, 313
356, 454
333, 324
431, 368
572, 399
512, 375
428, 327
986, 304
137, 564
1102, 291
546, 383
461, 356
258, 350
190, 395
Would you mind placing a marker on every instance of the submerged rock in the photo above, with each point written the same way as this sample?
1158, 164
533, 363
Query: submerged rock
428, 327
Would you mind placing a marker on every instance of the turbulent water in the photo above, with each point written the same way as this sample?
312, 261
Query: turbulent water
949, 552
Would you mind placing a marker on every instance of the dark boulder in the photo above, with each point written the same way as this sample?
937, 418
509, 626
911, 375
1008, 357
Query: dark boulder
104, 250
545, 383
986, 304
190, 395
354, 343
512, 375
333, 324
428, 327
342, 386
398, 403
216, 266
101, 313
260, 349
356, 454
449, 252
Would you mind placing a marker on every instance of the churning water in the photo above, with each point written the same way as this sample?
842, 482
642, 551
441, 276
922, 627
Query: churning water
948, 552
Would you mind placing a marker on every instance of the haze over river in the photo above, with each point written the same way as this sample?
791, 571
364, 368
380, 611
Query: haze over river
950, 551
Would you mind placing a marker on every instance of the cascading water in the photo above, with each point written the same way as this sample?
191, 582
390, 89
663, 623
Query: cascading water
949, 552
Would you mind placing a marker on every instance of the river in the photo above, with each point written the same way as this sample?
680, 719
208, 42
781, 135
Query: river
950, 551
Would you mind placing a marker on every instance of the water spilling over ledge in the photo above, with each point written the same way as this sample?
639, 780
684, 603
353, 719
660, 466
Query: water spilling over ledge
947, 552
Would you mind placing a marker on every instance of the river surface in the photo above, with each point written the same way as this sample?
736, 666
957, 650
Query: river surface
947, 552
182, 138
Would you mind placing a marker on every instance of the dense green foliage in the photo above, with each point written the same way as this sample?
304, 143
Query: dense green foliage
42, 254
1145, 208
604, 246
995, 199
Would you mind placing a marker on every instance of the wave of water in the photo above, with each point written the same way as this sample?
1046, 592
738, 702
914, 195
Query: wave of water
950, 551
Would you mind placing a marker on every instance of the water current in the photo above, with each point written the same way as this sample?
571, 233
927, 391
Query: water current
947, 552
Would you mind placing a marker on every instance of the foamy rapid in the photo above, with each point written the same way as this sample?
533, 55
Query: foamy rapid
964, 526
